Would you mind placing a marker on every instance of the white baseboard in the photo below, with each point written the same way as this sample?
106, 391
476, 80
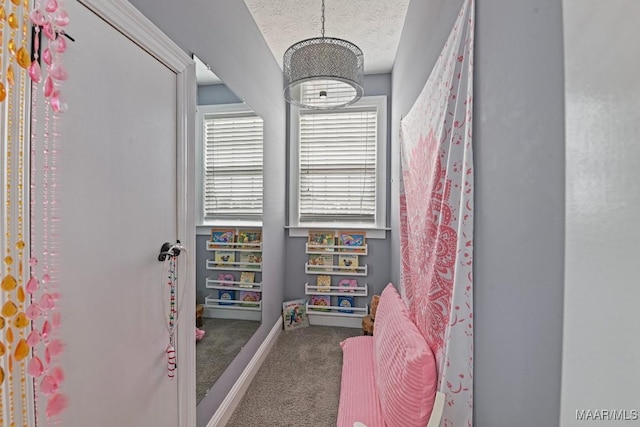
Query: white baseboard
341, 322
229, 404
221, 313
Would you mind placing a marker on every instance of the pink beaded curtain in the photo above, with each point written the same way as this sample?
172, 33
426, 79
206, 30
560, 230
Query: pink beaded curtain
30, 375
436, 217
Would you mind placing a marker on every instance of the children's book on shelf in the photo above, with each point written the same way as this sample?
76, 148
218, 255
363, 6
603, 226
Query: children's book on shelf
249, 258
318, 239
226, 279
346, 302
322, 300
320, 262
347, 285
354, 240
223, 258
323, 283
294, 314
222, 237
249, 239
249, 298
247, 277
348, 263
226, 295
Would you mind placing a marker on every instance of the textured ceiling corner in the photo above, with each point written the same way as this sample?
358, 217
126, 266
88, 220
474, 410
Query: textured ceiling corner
374, 25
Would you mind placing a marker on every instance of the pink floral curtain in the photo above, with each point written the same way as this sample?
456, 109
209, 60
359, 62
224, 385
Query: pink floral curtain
436, 217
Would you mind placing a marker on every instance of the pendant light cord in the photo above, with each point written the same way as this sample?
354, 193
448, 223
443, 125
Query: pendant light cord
322, 19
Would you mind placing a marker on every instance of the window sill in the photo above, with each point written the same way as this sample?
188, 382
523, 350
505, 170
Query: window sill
303, 230
205, 229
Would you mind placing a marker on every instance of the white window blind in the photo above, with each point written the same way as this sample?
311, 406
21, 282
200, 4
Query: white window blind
232, 166
337, 159
333, 92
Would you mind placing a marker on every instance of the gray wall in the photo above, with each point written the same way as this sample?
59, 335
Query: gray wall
224, 35
378, 258
519, 196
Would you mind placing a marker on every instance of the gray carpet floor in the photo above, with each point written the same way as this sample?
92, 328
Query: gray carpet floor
299, 382
221, 343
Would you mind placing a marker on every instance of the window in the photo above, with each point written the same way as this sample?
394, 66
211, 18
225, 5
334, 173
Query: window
231, 175
338, 164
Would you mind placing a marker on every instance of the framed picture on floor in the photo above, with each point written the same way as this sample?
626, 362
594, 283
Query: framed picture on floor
294, 314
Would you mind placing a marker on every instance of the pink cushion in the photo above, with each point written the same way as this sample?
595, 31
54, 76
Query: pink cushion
404, 365
358, 395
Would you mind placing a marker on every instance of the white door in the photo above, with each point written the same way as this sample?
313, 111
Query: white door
119, 203
600, 349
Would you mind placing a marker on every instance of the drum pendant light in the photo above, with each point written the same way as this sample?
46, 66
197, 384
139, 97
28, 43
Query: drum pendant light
323, 72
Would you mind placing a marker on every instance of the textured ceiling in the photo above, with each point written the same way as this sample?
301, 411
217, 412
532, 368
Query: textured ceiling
373, 25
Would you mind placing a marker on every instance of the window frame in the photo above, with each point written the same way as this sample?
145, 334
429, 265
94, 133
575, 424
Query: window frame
296, 228
201, 112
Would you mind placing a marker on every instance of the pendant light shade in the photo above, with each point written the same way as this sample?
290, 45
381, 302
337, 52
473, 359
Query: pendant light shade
323, 72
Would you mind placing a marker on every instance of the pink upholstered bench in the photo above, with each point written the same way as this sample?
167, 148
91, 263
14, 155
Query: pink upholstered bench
389, 379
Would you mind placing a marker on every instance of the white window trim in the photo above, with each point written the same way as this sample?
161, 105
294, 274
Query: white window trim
376, 230
203, 226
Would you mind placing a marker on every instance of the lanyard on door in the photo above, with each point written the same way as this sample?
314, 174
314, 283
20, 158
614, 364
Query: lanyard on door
169, 255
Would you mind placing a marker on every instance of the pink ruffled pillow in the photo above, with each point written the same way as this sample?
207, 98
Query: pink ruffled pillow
405, 368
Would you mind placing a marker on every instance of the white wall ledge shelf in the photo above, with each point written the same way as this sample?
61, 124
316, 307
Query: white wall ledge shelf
336, 249
228, 284
234, 247
320, 310
342, 291
335, 270
332, 259
234, 266
256, 288
232, 304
